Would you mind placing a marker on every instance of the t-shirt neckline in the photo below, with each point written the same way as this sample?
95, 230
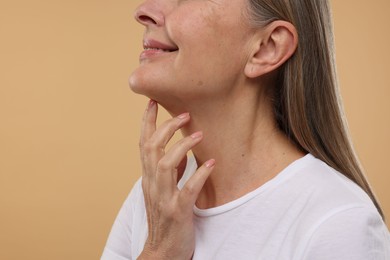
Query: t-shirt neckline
285, 174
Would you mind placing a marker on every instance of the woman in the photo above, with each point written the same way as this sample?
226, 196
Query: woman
252, 87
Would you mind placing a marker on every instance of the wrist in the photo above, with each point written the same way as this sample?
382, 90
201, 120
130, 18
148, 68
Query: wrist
150, 253
153, 253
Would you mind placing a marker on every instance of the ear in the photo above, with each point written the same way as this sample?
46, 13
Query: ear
274, 45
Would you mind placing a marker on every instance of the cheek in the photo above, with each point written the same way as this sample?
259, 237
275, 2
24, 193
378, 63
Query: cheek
210, 66
205, 51
209, 60
194, 22
208, 38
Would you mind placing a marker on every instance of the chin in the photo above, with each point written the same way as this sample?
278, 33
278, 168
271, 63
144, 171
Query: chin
169, 94
149, 87
135, 83
142, 83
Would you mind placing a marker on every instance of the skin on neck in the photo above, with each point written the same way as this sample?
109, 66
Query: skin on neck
241, 134
237, 119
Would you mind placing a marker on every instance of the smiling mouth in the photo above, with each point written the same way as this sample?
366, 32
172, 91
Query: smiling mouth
158, 49
153, 45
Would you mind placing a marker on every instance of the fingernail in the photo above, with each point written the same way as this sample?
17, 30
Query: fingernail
197, 135
151, 103
183, 116
210, 163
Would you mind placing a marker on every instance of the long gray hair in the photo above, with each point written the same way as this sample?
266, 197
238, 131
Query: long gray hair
307, 102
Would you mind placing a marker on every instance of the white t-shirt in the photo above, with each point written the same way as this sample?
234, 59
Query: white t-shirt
308, 211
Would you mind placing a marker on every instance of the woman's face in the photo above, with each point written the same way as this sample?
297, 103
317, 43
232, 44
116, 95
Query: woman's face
193, 48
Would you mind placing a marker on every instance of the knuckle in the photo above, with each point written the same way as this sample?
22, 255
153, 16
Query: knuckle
152, 145
184, 141
188, 191
148, 146
188, 142
172, 122
166, 207
163, 166
183, 144
171, 125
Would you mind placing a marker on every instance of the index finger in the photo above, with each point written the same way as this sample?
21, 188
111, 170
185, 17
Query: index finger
148, 126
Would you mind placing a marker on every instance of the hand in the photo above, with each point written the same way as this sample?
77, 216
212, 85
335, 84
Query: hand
169, 210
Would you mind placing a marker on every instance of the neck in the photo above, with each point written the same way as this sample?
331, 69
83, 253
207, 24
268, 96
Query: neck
246, 143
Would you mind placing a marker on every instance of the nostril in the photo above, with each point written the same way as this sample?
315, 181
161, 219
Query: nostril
149, 13
146, 19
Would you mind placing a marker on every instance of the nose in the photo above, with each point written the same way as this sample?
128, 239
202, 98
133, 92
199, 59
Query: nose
149, 13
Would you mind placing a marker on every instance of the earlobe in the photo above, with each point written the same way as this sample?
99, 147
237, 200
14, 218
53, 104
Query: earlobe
276, 43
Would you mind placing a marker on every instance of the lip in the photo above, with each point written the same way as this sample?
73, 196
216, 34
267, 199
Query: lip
154, 48
150, 43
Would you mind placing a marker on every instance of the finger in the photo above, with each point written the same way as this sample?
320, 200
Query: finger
181, 168
167, 168
165, 132
160, 138
154, 148
149, 119
191, 190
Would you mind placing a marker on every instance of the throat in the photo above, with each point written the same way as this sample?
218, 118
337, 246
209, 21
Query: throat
237, 174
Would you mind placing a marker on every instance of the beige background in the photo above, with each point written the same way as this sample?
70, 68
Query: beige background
69, 124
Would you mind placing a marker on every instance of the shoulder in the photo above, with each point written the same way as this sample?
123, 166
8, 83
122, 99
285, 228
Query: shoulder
128, 231
328, 187
324, 192
354, 232
339, 220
